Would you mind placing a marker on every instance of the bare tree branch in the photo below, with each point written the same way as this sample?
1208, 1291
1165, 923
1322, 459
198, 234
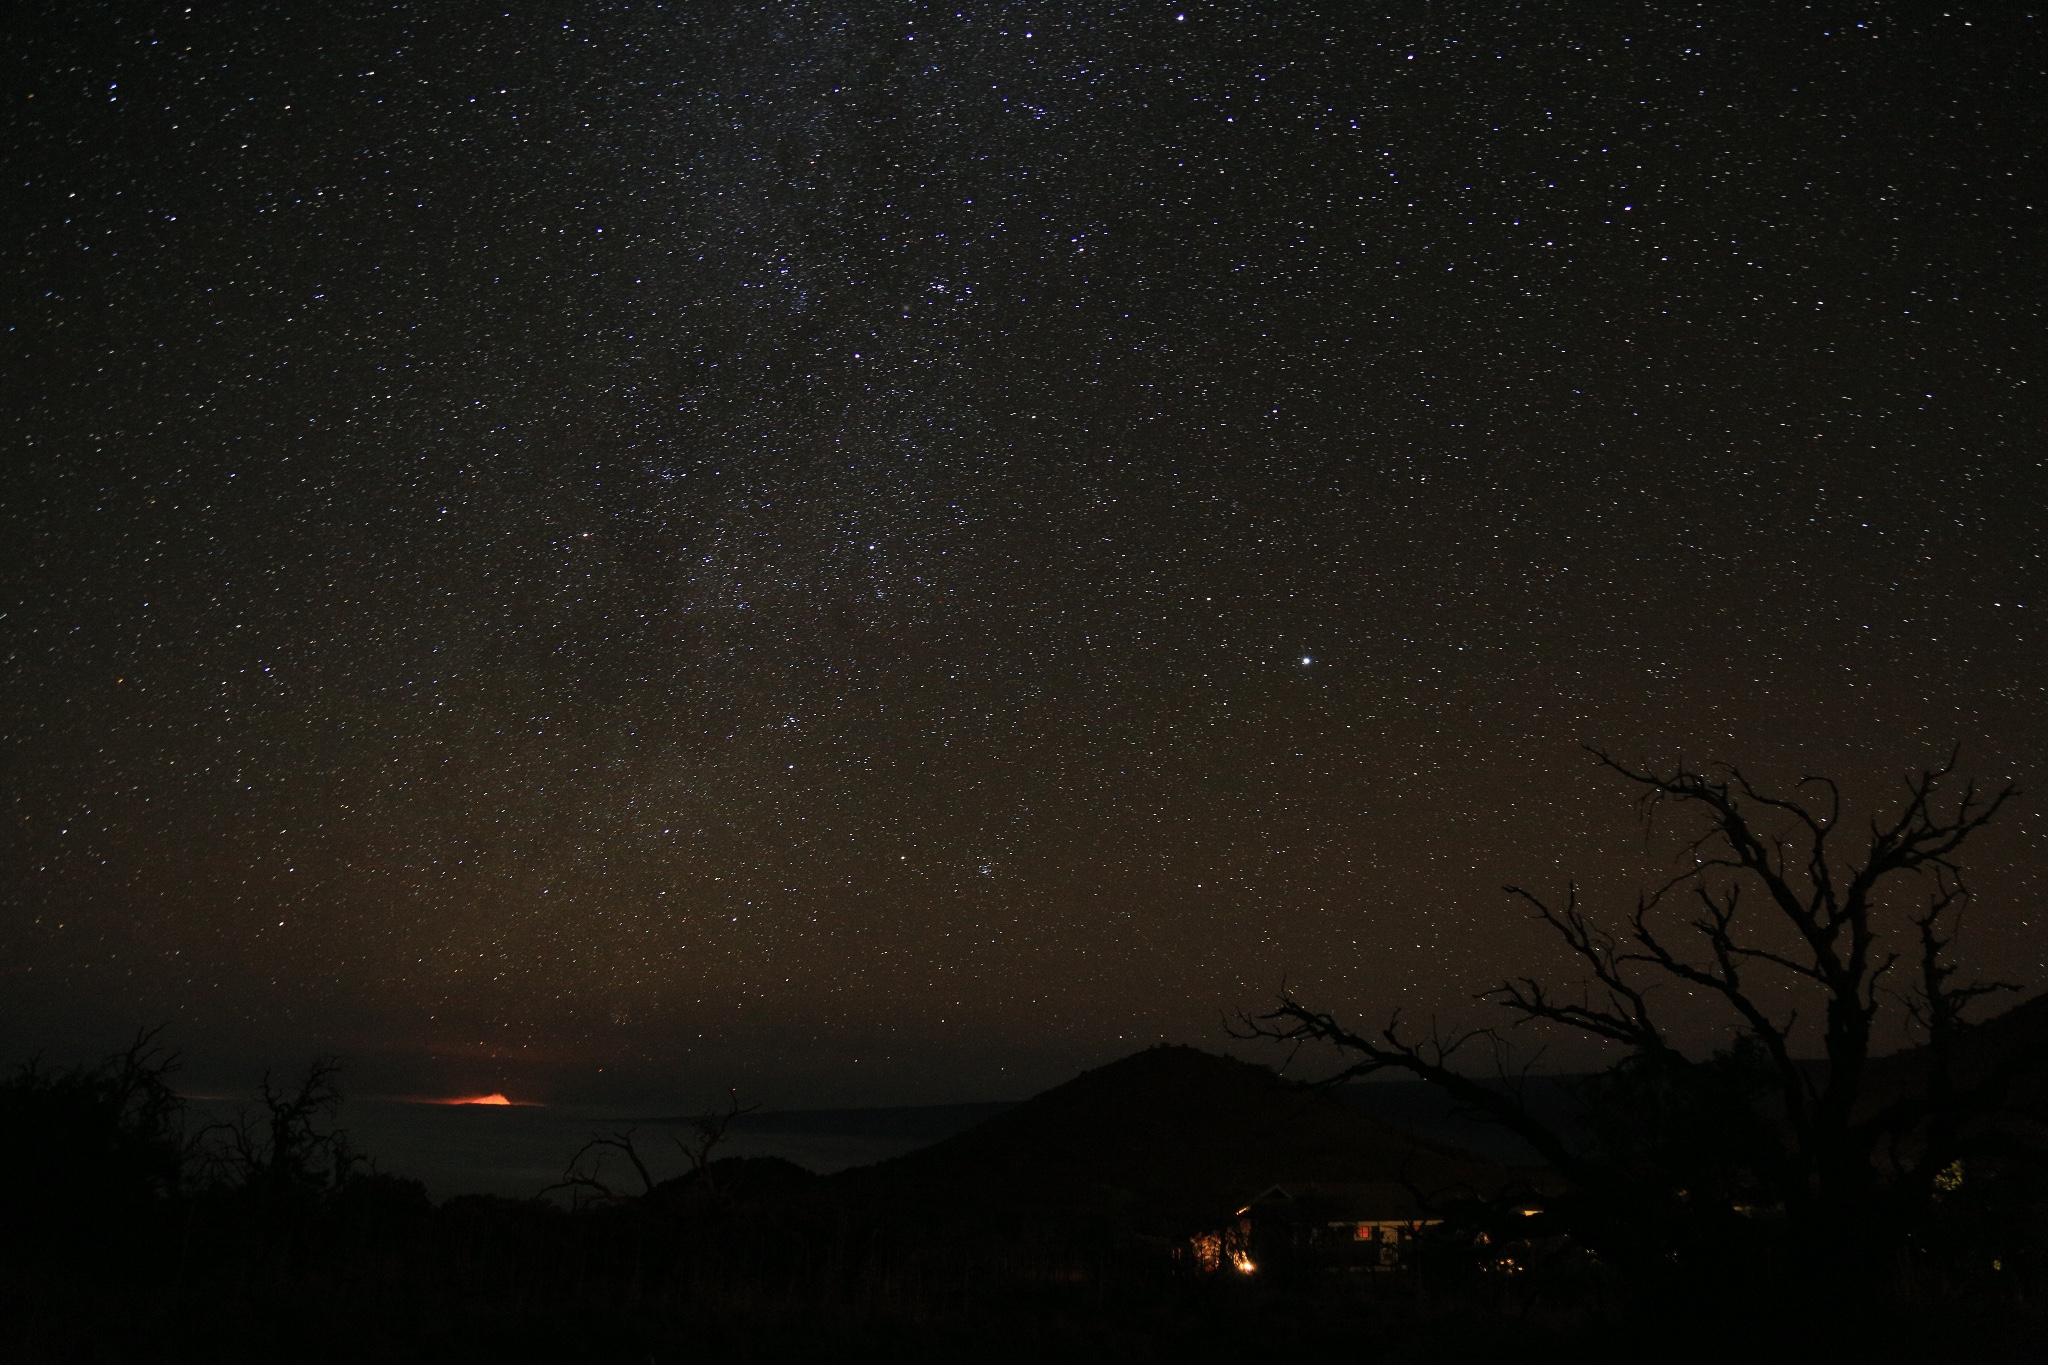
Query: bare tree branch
708, 1130
1292, 1021
1763, 871
574, 1176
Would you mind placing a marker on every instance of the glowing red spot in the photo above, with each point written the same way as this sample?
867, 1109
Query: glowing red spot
480, 1099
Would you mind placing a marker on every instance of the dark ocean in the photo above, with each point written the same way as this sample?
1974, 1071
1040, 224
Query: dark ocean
517, 1151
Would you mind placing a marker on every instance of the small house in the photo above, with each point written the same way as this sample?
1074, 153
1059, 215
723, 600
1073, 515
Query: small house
1343, 1226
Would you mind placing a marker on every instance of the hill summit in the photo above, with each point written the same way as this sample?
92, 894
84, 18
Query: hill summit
1173, 1136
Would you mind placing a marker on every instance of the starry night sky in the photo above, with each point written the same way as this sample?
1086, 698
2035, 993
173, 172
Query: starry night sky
885, 552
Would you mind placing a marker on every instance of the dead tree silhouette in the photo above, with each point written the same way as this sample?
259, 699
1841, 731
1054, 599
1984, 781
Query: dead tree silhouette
707, 1131
1770, 898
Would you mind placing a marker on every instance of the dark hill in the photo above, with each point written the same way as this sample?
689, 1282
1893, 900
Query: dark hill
1424, 1111
2009, 1051
1172, 1136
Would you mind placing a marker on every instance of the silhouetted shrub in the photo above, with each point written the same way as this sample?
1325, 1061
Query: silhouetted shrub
91, 1154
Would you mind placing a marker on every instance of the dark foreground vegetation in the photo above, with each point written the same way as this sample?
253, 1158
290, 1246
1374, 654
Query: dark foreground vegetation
1047, 1232
1755, 1201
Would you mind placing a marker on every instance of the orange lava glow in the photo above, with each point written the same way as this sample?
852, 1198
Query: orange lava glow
493, 1098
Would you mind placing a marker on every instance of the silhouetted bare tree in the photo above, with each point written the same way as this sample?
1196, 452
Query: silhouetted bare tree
708, 1130
585, 1171
90, 1150
294, 1144
1770, 897
579, 1177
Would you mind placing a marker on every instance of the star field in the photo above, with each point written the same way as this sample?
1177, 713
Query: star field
888, 551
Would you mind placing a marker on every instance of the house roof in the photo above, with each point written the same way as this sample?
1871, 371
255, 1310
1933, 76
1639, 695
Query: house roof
1363, 1201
